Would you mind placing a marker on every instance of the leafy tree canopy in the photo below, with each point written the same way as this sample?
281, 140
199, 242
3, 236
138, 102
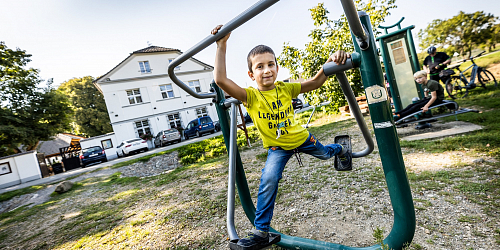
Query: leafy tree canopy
327, 37
461, 33
91, 115
28, 113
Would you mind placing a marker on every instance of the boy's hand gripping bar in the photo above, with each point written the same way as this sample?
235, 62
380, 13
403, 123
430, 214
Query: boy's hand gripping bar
248, 14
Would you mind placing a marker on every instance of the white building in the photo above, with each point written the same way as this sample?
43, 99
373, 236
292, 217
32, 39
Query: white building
141, 98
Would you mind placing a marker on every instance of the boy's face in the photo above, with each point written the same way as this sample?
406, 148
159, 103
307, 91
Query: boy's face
265, 70
421, 79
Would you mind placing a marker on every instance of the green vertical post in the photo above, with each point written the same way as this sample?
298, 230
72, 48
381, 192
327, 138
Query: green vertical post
241, 181
390, 154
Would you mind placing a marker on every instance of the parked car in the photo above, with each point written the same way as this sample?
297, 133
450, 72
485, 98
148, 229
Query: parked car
297, 103
130, 146
199, 126
248, 119
91, 155
167, 136
217, 126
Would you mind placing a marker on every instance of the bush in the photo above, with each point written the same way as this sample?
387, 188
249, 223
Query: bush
213, 147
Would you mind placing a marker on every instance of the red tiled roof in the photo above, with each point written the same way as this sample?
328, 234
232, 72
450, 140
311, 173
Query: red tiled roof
152, 49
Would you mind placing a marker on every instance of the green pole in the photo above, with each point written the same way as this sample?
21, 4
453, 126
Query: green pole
390, 154
241, 180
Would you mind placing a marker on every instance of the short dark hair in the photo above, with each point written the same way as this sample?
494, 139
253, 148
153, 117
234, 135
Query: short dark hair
258, 50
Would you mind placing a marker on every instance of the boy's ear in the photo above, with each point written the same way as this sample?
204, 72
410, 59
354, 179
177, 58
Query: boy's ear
250, 74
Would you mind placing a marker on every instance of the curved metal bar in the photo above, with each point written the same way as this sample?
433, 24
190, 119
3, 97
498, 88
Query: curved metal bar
354, 107
356, 27
333, 68
228, 27
231, 229
396, 24
352, 17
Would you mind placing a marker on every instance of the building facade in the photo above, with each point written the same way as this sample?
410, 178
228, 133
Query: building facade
141, 98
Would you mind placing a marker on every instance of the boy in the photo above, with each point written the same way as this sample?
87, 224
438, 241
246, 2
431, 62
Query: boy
437, 96
270, 106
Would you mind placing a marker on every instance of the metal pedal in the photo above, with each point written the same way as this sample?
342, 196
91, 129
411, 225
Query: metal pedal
273, 239
345, 141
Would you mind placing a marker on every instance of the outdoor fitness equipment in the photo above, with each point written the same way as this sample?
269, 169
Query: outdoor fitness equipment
401, 62
367, 60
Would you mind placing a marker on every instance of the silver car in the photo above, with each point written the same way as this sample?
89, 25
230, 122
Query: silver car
167, 136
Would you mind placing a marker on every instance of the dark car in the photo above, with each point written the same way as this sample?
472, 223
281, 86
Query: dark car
217, 126
199, 126
248, 119
92, 154
297, 103
167, 136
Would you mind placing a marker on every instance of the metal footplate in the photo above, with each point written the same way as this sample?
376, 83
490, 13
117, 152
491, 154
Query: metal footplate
273, 239
345, 141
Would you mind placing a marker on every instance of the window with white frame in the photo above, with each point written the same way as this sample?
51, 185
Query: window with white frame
166, 91
134, 96
142, 127
195, 86
170, 60
174, 120
200, 112
144, 66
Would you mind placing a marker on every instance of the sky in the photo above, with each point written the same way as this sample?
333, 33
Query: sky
74, 38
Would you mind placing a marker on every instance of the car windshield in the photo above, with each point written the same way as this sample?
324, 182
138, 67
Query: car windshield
92, 149
172, 130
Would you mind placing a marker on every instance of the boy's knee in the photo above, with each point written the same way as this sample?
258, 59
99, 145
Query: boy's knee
270, 178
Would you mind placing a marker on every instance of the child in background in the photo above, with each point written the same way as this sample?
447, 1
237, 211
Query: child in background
430, 86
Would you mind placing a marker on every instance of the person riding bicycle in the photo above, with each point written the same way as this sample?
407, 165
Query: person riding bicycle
435, 62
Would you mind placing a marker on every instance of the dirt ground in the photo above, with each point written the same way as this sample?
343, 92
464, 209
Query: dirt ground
316, 202
495, 70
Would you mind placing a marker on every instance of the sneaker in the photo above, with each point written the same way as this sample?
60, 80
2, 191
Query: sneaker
254, 239
345, 160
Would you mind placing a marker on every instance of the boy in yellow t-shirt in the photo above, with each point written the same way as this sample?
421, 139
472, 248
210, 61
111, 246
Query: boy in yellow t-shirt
270, 107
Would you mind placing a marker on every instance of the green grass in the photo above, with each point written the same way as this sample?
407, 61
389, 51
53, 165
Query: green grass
486, 140
484, 61
197, 201
27, 190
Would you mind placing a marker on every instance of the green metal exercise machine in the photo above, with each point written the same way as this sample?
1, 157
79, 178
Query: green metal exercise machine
401, 62
366, 58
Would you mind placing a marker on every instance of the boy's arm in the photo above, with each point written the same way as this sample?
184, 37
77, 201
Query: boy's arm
317, 81
220, 75
430, 102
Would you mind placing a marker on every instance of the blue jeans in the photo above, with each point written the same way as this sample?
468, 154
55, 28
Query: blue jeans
272, 173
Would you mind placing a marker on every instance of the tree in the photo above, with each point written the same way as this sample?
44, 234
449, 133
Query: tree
28, 113
461, 33
328, 37
90, 112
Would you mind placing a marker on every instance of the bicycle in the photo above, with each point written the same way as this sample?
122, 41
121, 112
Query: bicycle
459, 86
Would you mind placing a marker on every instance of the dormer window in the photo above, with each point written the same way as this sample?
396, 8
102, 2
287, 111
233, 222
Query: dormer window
172, 59
144, 65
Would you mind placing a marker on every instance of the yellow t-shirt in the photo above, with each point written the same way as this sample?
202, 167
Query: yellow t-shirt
269, 108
